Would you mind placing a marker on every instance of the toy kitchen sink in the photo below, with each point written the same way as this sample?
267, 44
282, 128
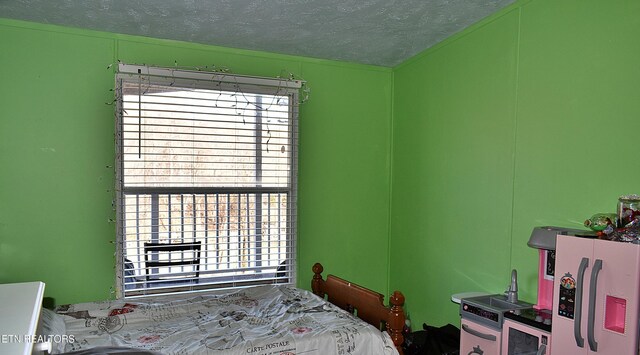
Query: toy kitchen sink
489, 310
481, 322
482, 318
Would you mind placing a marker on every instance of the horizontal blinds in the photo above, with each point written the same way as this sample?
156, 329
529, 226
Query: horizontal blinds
209, 161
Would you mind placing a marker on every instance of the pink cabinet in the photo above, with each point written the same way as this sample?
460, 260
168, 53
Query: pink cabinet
476, 339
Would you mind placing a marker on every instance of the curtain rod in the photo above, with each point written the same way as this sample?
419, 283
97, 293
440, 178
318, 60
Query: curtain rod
212, 76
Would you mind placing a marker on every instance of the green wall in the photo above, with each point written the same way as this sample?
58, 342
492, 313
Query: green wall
426, 178
57, 149
528, 118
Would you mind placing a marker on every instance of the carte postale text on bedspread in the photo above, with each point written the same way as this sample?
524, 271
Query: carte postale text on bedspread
269, 346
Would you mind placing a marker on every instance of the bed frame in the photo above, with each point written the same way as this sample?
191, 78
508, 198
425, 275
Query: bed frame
366, 304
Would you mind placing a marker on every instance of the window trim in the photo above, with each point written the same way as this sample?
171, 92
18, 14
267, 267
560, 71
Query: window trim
213, 81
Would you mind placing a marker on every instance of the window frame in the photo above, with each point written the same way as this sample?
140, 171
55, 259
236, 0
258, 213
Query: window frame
211, 81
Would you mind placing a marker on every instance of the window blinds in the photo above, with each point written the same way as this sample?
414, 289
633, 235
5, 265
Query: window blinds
206, 168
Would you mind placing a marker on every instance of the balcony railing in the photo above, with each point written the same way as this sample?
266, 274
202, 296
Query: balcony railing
243, 237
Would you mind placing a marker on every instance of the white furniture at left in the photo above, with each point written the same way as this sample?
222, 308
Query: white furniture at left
20, 305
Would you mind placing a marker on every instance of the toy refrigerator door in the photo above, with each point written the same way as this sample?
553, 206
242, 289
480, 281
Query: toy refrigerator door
574, 258
612, 318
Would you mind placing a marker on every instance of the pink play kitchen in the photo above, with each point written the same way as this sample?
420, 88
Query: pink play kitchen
588, 294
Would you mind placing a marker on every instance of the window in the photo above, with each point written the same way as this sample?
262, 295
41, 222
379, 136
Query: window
206, 163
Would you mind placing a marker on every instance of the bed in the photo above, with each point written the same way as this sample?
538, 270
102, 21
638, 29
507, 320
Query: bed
338, 317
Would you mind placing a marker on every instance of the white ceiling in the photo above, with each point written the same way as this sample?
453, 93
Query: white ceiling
378, 32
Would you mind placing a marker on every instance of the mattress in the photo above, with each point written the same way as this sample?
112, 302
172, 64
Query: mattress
262, 320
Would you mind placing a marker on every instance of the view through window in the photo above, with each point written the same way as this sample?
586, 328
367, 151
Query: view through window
206, 180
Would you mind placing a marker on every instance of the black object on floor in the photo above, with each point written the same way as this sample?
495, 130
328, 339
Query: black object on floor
444, 340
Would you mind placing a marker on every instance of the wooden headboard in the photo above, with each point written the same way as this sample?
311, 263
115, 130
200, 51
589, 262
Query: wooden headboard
366, 304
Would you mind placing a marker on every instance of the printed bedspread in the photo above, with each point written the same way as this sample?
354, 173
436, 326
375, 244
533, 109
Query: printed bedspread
262, 320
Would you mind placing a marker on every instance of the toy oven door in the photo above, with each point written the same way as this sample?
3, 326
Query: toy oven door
521, 339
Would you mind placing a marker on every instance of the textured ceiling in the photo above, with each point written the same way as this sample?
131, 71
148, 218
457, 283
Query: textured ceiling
379, 32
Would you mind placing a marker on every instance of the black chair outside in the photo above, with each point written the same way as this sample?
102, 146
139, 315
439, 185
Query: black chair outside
181, 254
281, 272
131, 281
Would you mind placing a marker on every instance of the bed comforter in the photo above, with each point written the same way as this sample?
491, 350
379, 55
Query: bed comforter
262, 320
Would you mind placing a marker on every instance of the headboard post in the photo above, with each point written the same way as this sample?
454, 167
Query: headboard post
317, 281
396, 319
369, 304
